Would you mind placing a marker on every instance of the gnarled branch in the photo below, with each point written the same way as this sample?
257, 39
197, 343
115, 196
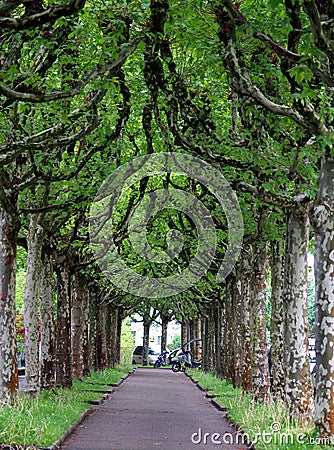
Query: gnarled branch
90, 76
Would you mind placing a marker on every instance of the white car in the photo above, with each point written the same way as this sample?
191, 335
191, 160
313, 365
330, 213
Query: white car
137, 355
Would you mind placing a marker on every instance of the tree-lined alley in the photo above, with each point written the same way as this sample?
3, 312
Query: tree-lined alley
86, 87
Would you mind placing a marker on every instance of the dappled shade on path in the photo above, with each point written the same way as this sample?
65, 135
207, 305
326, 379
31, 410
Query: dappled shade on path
155, 409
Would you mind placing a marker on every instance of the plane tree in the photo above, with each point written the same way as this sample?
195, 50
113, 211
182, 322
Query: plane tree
198, 79
53, 99
188, 124
301, 50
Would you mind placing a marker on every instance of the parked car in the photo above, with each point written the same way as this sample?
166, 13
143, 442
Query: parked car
137, 355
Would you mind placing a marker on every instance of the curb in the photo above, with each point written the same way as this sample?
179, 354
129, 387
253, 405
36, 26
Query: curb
57, 445
219, 407
75, 425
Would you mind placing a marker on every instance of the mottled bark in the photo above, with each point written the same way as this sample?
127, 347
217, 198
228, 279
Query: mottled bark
211, 335
164, 327
205, 344
260, 385
214, 333
234, 324
32, 303
323, 223
277, 322
223, 337
217, 333
298, 380
238, 329
93, 328
77, 324
102, 338
246, 351
146, 341
198, 344
47, 353
109, 331
184, 331
9, 227
192, 333
118, 335
86, 370
230, 336
63, 331
114, 335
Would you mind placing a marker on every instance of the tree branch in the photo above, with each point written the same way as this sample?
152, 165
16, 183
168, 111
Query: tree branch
7, 6
242, 83
284, 201
290, 55
9, 152
124, 53
319, 37
47, 16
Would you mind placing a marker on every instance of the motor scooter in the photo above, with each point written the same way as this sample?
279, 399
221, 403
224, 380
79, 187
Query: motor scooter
161, 361
183, 359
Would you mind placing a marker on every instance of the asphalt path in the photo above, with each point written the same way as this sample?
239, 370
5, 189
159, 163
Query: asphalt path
155, 409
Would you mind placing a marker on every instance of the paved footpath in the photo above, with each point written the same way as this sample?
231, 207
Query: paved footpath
155, 409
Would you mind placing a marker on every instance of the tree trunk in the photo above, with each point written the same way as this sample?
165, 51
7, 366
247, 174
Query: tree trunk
246, 292
9, 228
110, 328
277, 322
260, 373
192, 334
114, 339
47, 354
323, 223
198, 344
93, 327
63, 338
102, 338
212, 343
77, 325
120, 317
184, 331
146, 341
217, 331
230, 327
238, 330
85, 333
205, 344
224, 337
298, 380
164, 328
112, 343
31, 304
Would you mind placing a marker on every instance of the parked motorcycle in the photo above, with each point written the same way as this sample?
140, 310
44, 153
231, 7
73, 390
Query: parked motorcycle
161, 361
183, 359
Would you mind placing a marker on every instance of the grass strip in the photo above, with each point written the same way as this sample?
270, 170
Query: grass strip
266, 424
40, 422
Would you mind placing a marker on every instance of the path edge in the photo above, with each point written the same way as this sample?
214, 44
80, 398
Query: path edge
220, 408
57, 445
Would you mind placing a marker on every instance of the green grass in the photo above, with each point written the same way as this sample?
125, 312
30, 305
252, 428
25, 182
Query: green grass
266, 424
42, 421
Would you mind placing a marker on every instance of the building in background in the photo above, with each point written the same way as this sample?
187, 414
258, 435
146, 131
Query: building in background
137, 329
